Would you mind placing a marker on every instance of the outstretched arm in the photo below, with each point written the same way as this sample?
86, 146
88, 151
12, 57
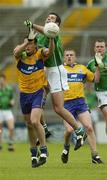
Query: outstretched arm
19, 48
36, 27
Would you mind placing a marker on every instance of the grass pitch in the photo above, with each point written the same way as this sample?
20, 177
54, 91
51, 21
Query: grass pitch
17, 165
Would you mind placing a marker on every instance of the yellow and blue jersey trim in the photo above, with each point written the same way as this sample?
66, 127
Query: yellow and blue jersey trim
29, 69
74, 77
31, 72
77, 75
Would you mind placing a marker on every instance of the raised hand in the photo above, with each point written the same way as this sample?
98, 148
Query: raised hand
31, 34
28, 23
98, 60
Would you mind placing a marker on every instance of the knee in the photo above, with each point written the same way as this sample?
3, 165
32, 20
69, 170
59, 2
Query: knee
35, 123
1, 130
58, 109
29, 125
68, 130
11, 129
89, 129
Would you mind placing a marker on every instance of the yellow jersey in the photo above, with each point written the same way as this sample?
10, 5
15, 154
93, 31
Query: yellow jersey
31, 74
77, 75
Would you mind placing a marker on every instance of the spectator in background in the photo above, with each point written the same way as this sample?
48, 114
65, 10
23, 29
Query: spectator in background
6, 115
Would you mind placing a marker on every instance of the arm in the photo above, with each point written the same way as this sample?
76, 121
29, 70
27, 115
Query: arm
89, 74
48, 51
93, 67
12, 100
19, 48
97, 75
36, 27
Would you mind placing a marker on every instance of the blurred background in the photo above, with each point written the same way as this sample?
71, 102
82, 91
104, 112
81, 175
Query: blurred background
83, 21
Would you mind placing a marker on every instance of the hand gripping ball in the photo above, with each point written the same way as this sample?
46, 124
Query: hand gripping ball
51, 29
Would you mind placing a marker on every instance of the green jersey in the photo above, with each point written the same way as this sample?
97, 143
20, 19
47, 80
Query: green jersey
56, 58
6, 95
91, 99
102, 85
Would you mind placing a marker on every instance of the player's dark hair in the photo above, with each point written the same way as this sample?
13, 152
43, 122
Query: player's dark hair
2, 76
101, 40
35, 39
58, 19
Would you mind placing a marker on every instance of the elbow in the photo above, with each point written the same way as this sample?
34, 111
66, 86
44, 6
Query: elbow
96, 79
16, 51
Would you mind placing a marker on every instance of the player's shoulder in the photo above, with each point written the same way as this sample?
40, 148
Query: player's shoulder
83, 67
80, 65
92, 61
39, 51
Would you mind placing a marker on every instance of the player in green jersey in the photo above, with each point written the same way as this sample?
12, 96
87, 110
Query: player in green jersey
57, 75
99, 65
6, 115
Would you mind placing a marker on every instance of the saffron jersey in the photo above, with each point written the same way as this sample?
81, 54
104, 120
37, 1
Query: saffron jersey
31, 74
77, 75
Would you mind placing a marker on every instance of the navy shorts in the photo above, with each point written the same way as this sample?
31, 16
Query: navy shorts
28, 101
76, 106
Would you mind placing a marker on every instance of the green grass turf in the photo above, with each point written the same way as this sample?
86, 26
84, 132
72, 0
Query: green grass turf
17, 166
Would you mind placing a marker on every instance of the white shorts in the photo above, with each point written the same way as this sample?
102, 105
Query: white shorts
102, 98
94, 115
57, 78
6, 115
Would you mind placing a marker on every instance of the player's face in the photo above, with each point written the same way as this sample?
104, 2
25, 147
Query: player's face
30, 48
69, 57
51, 18
100, 47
